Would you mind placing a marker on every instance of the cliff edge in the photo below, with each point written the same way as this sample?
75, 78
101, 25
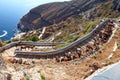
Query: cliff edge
48, 14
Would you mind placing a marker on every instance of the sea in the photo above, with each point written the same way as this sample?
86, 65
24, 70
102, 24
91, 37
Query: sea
11, 11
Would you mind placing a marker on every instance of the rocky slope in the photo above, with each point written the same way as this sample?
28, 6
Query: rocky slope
48, 14
36, 69
116, 5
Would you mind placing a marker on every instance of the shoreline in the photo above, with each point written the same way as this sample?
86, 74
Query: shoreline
18, 35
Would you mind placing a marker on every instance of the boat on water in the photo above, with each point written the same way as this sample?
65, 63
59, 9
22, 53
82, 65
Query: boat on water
4, 33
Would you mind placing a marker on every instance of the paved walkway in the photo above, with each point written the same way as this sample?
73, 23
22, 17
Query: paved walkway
43, 31
111, 73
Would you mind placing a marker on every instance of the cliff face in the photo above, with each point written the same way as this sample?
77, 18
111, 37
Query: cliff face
48, 14
116, 5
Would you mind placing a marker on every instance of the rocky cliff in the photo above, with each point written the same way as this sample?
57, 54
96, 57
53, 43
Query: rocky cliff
48, 14
116, 5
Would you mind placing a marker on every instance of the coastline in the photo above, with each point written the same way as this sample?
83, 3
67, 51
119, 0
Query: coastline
18, 35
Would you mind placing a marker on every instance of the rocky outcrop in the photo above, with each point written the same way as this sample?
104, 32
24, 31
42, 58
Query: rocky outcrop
48, 14
116, 5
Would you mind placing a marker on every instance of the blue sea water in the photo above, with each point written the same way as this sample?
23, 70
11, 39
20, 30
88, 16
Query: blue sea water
11, 11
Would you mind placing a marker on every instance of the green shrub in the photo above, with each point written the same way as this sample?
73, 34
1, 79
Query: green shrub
42, 77
118, 45
33, 38
27, 78
38, 71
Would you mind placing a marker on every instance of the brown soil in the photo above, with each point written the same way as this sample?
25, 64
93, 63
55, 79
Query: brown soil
65, 70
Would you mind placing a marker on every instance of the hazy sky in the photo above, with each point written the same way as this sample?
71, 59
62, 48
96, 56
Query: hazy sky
23, 6
28, 3
38, 2
8, 8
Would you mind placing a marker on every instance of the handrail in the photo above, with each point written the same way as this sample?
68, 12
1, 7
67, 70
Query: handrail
40, 43
59, 51
7, 46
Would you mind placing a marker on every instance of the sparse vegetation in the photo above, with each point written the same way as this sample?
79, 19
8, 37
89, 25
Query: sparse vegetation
2, 43
13, 40
33, 38
89, 26
42, 77
38, 71
118, 45
27, 78
61, 45
68, 38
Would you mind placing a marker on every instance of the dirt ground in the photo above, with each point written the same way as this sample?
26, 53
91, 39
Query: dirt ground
39, 69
